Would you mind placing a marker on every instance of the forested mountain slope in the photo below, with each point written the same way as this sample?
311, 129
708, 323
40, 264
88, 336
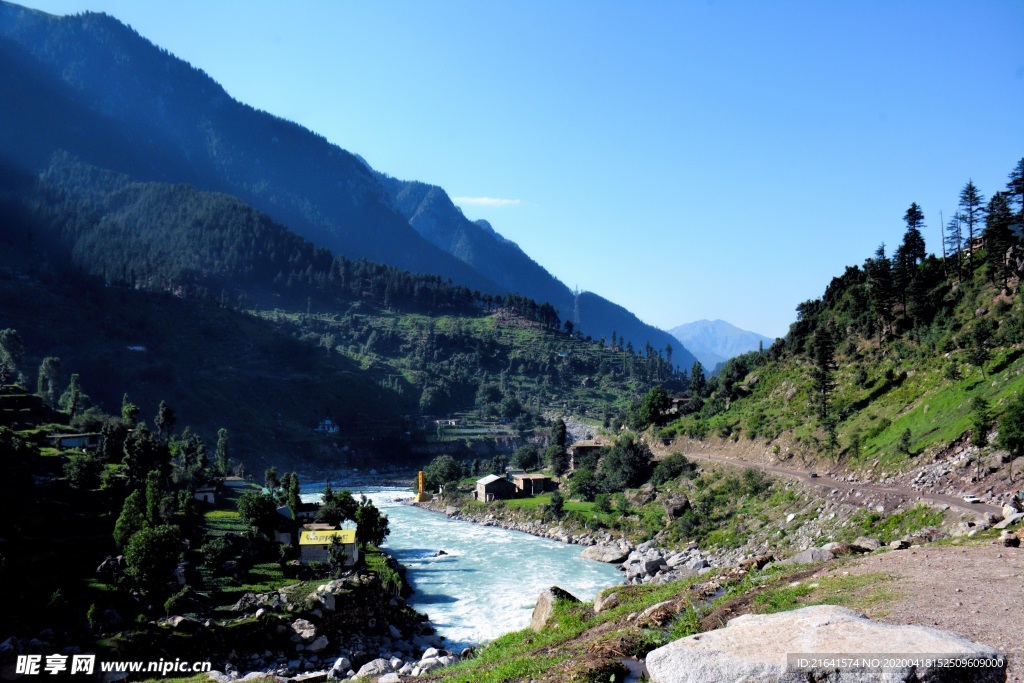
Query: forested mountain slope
135, 94
91, 86
900, 356
431, 212
170, 293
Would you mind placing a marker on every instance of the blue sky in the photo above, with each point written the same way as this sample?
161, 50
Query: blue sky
687, 160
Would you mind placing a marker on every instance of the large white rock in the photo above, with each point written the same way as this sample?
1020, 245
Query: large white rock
377, 667
545, 607
304, 629
754, 647
604, 553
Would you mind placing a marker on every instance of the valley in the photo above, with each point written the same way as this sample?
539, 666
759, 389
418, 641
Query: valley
268, 408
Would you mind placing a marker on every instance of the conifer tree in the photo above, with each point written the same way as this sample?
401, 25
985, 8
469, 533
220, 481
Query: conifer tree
164, 420
954, 244
998, 237
823, 371
1015, 189
880, 286
972, 211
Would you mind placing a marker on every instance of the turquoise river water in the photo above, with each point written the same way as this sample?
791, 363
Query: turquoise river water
487, 583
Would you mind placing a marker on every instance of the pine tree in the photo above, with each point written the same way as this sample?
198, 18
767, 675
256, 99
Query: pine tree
955, 244
823, 371
913, 241
880, 289
164, 420
998, 237
972, 211
1015, 189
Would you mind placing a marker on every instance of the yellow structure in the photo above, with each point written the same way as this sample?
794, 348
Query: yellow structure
422, 496
314, 545
324, 536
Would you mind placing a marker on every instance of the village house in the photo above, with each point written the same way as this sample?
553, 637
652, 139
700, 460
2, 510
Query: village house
315, 541
306, 511
206, 494
493, 487
532, 484
233, 482
581, 448
85, 442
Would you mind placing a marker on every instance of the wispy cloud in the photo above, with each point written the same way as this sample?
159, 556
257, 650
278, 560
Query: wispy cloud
486, 201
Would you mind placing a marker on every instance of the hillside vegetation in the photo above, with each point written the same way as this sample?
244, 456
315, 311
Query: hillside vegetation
900, 356
171, 293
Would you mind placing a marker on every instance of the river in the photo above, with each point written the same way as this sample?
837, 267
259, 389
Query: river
488, 581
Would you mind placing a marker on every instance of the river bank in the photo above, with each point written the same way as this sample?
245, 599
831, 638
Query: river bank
644, 562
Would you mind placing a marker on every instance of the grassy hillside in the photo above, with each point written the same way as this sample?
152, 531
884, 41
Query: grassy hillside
895, 395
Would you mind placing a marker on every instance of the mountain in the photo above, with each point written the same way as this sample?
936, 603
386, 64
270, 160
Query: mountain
435, 217
716, 341
134, 97
92, 86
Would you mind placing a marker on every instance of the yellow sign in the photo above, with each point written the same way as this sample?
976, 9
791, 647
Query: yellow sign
324, 537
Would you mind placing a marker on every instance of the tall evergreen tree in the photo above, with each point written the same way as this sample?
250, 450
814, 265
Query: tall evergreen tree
697, 380
164, 420
880, 289
998, 237
1015, 190
823, 371
913, 241
954, 244
972, 211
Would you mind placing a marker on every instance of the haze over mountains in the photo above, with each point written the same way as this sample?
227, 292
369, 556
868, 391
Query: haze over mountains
92, 86
716, 341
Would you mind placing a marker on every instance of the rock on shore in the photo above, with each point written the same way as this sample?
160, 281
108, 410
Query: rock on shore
755, 646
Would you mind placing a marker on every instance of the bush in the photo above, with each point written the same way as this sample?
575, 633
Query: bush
671, 468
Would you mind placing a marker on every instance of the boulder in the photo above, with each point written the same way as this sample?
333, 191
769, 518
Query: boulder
429, 664
808, 556
675, 507
247, 602
341, 665
377, 667
303, 629
1010, 519
318, 645
606, 600
1009, 539
901, 544
754, 647
545, 606
326, 600
865, 545
390, 678
604, 553
183, 623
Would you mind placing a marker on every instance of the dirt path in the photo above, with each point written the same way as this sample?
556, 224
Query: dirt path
975, 591
827, 482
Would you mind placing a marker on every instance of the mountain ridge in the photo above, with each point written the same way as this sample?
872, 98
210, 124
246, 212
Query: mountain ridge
173, 123
716, 341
